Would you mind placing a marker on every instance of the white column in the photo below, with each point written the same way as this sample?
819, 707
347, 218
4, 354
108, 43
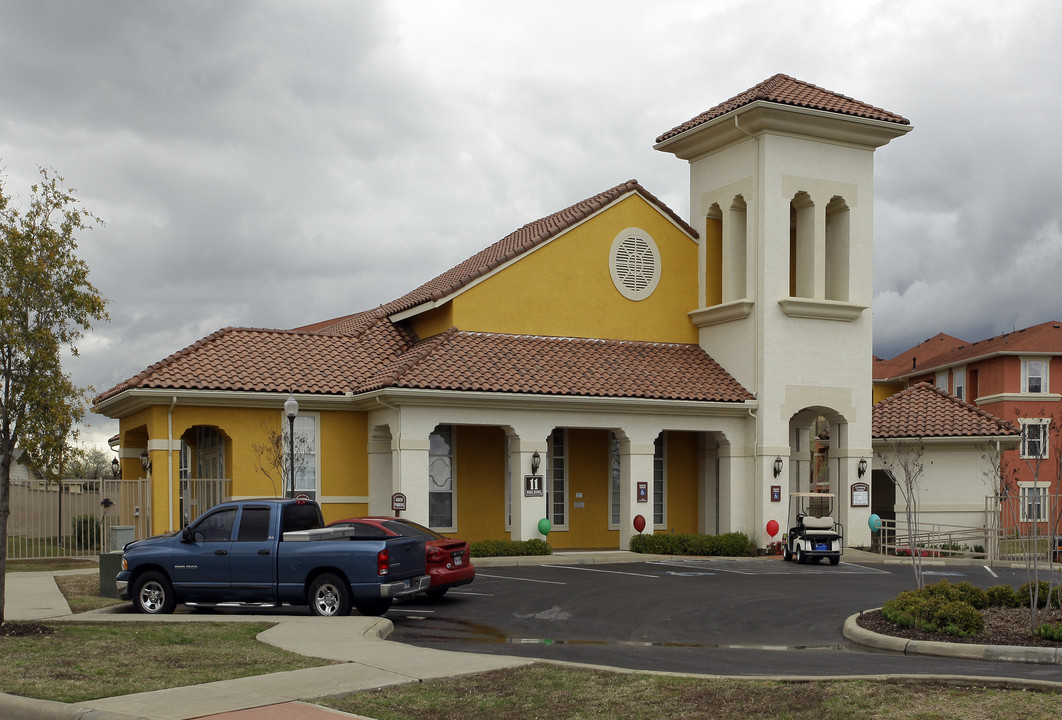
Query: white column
708, 486
636, 465
381, 473
526, 509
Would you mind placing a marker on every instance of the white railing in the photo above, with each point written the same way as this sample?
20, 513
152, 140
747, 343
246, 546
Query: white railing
87, 518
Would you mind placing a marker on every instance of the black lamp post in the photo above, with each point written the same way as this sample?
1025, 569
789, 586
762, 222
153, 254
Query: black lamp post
291, 409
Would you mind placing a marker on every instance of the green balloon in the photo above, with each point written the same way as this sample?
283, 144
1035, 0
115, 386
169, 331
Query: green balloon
875, 523
544, 527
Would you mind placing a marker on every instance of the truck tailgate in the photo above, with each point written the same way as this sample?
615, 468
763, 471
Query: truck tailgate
406, 556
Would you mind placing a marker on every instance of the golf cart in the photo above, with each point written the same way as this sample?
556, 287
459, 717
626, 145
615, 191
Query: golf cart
814, 534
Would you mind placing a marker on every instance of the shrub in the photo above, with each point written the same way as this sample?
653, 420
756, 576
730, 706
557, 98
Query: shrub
1050, 632
937, 608
958, 619
972, 595
1025, 592
1002, 596
733, 544
86, 532
509, 548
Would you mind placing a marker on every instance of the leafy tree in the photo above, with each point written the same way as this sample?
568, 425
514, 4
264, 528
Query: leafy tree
88, 463
46, 305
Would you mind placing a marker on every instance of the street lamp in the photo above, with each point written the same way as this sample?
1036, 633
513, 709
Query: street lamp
291, 409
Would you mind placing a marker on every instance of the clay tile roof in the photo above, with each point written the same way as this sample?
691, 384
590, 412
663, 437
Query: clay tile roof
922, 355
522, 240
786, 90
470, 361
251, 359
1044, 338
926, 411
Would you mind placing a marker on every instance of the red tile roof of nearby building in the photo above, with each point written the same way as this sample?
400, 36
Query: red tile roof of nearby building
473, 361
926, 411
786, 90
1044, 338
521, 241
921, 355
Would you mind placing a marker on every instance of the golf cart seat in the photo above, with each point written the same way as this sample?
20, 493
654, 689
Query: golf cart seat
817, 525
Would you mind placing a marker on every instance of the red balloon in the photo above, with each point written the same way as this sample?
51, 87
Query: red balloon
772, 527
639, 523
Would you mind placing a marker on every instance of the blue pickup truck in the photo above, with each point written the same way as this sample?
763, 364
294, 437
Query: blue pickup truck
267, 553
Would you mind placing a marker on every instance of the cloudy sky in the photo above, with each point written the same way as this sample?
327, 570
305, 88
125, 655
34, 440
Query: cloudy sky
272, 164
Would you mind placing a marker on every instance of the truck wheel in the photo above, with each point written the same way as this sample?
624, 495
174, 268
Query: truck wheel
329, 596
153, 594
374, 607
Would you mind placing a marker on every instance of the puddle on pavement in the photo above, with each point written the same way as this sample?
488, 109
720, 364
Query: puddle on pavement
449, 630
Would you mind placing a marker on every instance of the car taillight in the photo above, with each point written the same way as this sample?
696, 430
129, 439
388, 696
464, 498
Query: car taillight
383, 563
435, 555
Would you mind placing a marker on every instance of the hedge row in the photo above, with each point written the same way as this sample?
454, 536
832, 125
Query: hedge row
955, 609
508, 548
735, 544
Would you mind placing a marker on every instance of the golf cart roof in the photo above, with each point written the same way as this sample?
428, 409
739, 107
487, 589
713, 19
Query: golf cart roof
812, 495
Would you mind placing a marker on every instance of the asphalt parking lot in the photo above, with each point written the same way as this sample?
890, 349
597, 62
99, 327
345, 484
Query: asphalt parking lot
715, 616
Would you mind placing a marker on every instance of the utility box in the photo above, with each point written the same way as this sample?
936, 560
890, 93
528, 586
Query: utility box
110, 566
119, 536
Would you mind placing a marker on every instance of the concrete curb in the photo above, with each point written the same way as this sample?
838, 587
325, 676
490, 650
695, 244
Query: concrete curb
965, 651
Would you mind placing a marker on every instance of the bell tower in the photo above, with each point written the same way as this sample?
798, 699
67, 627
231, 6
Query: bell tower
782, 192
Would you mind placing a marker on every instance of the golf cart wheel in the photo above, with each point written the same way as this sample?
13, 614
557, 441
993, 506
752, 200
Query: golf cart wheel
801, 557
786, 553
835, 560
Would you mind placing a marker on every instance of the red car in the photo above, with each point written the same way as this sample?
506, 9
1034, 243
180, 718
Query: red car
449, 562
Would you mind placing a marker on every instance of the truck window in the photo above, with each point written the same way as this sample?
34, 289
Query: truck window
299, 517
217, 526
254, 525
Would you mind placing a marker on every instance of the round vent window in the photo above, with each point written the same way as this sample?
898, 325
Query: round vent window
634, 262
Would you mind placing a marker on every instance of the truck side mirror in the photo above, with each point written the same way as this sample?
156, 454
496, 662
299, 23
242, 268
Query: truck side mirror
186, 534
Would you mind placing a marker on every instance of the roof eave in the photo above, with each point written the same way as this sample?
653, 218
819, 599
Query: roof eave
763, 116
133, 400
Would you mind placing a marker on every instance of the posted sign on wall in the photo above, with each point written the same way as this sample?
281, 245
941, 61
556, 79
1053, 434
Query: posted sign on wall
534, 486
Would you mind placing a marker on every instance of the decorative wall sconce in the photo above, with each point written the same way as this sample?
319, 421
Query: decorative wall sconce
862, 467
116, 468
145, 461
778, 466
536, 460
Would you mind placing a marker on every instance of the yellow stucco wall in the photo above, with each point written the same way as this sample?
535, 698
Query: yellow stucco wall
682, 482
713, 254
480, 473
564, 288
588, 483
886, 390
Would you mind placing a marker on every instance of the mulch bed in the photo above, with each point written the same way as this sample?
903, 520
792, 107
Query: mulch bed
1003, 626
24, 629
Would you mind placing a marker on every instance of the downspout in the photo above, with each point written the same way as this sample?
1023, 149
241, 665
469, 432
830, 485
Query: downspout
169, 455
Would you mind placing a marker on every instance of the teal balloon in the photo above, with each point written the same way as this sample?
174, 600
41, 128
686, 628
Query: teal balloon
874, 522
544, 527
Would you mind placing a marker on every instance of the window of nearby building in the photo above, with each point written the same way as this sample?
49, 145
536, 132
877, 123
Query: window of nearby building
1034, 437
634, 262
958, 378
1034, 501
942, 380
659, 484
441, 478
306, 442
1034, 377
557, 482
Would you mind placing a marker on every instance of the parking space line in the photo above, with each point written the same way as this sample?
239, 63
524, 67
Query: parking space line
507, 577
611, 572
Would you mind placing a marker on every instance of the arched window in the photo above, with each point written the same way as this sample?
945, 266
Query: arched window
802, 246
838, 251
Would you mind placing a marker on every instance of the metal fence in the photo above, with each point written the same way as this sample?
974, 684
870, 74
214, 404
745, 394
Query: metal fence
1016, 528
198, 496
76, 518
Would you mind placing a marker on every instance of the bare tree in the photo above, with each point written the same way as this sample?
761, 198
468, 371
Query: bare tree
903, 461
271, 457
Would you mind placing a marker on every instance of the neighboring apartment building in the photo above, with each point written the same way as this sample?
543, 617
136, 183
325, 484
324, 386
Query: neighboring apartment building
607, 361
1016, 377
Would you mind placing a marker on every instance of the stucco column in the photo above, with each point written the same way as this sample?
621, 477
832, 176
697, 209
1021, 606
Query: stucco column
527, 507
708, 486
381, 472
636, 465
